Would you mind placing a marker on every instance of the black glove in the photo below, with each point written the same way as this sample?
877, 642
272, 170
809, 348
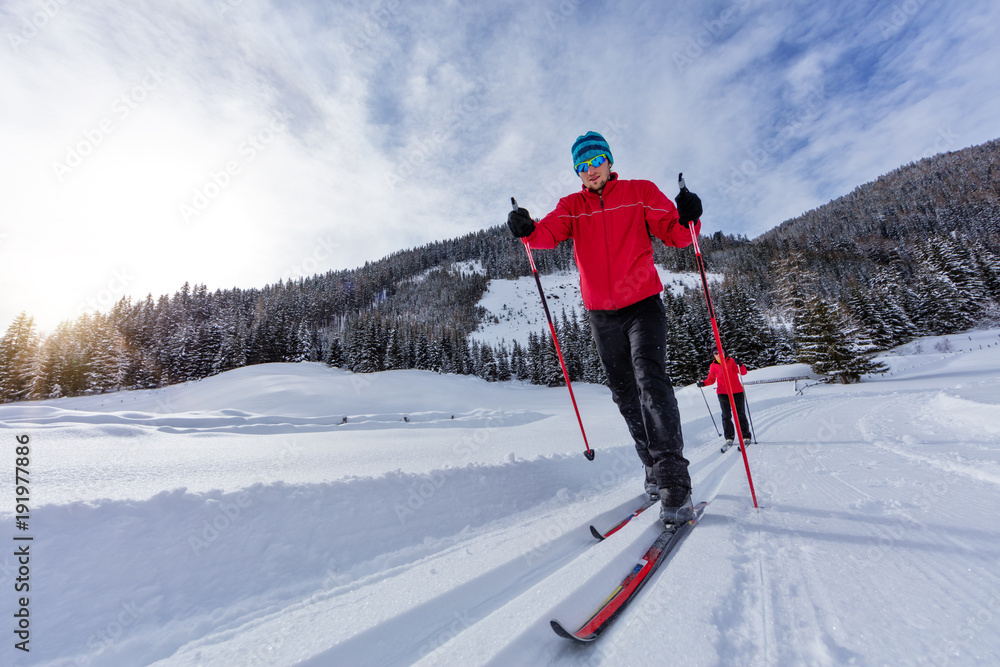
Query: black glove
520, 223
688, 207
700, 383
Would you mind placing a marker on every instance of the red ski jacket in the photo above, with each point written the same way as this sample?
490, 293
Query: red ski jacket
734, 373
611, 241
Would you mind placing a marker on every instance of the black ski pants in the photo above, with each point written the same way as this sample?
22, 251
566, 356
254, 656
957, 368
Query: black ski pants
727, 415
632, 345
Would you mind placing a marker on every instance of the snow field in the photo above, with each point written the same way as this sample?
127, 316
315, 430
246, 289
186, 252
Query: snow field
517, 308
238, 520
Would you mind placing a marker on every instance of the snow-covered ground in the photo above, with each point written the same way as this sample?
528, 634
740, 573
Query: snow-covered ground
241, 520
515, 307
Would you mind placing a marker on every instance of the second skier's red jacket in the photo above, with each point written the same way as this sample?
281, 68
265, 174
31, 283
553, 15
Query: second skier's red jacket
732, 370
611, 240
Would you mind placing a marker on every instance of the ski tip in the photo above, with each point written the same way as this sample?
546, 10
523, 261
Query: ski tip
596, 533
566, 634
560, 630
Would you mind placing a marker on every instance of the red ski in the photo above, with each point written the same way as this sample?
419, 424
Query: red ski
626, 591
621, 524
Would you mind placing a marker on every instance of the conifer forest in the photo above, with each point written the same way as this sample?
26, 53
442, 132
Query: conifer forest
915, 252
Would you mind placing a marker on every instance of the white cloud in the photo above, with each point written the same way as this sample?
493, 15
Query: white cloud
403, 123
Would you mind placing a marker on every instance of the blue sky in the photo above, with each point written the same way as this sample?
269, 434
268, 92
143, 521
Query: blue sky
239, 142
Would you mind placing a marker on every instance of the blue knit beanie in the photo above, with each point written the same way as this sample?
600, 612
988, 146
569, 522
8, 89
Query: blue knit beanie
588, 146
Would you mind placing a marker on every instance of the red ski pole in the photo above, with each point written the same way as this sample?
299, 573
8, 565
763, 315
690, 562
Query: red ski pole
589, 453
718, 345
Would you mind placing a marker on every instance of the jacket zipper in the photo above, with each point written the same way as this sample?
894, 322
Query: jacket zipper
607, 252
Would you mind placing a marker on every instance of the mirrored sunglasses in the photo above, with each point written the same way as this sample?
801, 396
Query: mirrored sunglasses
597, 161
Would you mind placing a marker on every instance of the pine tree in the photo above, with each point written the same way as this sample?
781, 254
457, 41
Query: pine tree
519, 365
487, 363
535, 359
831, 345
102, 362
950, 284
45, 382
747, 336
422, 350
681, 352
551, 369
366, 353
793, 285
393, 351
987, 264
940, 307
18, 356
335, 354
301, 344
232, 349
503, 364
593, 368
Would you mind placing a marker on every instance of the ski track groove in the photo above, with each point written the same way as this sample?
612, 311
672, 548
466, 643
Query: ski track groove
709, 467
811, 632
794, 598
781, 599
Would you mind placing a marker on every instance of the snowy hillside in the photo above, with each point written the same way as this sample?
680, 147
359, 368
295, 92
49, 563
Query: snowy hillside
295, 514
515, 307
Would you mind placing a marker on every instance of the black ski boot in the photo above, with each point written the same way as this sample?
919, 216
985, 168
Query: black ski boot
676, 507
652, 488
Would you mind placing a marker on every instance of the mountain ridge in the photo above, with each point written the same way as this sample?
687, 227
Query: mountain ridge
914, 252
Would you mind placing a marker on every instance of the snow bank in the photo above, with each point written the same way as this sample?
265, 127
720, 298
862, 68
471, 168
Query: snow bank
176, 527
209, 558
310, 390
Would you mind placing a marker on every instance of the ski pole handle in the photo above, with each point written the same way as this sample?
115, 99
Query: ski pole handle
527, 248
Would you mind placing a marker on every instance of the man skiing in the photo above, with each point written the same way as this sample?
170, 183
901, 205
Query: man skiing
733, 370
610, 221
